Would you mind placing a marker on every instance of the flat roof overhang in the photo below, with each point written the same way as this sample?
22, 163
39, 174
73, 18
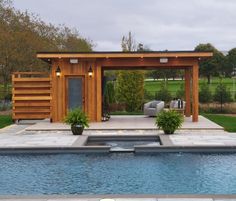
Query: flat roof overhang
100, 55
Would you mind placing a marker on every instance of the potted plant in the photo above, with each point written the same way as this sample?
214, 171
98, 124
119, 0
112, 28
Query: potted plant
169, 121
78, 121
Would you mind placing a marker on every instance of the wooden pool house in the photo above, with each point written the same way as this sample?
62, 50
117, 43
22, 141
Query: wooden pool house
76, 78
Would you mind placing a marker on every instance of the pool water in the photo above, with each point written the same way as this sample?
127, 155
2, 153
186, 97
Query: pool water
166, 173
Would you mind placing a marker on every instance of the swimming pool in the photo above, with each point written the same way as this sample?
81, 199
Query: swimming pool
165, 173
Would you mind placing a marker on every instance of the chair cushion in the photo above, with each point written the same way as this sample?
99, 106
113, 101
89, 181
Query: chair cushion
154, 104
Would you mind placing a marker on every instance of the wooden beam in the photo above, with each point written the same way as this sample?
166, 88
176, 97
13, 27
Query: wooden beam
188, 92
56, 55
154, 63
195, 103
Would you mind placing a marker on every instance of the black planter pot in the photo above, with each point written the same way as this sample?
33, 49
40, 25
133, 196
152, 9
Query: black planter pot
168, 132
77, 129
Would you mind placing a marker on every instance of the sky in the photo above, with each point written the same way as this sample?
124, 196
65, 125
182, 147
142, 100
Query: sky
158, 24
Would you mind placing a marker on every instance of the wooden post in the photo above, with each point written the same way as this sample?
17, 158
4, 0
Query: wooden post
195, 93
99, 92
187, 92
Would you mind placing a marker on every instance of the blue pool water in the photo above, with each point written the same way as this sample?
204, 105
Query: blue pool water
118, 174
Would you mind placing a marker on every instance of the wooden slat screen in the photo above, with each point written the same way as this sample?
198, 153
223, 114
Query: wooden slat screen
31, 95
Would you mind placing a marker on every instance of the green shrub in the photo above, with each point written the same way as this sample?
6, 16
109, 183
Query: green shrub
163, 94
214, 110
148, 96
130, 89
169, 121
76, 117
222, 95
205, 95
108, 97
109, 93
180, 94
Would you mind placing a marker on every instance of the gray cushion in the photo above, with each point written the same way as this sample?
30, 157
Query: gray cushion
154, 104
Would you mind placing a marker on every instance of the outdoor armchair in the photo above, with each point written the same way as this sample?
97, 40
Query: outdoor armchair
153, 108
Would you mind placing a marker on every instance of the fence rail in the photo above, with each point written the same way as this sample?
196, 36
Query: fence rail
31, 95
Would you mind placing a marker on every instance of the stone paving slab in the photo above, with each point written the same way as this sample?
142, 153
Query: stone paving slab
185, 199
223, 139
225, 199
16, 136
75, 199
13, 129
44, 140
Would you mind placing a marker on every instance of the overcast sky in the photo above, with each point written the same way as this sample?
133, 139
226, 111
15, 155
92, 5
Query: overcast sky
159, 24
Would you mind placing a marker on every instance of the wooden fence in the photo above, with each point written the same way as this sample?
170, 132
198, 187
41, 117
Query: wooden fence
31, 95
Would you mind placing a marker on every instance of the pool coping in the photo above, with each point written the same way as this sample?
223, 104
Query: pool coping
106, 150
79, 146
117, 196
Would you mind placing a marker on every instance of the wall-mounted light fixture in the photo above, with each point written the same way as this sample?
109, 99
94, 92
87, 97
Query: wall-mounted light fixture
74, 61
58, 71
90, 72
163, 60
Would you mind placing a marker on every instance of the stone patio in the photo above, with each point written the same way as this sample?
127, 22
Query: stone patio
16, 136
44, 134
130, 122
208, 139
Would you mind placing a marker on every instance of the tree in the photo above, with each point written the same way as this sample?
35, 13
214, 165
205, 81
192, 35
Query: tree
231, 62
128, 43
130, 84
163, 94
130, 89
23, 34
222, 94
154, 74
109, 93
180, 94
143, 48
205, 95
70, 40
140, 48
213, 65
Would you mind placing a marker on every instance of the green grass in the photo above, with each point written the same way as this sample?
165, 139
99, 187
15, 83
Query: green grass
5, 120
174, 85
228, 122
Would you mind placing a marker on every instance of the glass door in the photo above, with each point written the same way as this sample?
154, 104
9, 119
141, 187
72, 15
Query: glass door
75, 92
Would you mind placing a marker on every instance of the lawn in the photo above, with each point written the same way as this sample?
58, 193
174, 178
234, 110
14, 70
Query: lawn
5, 120
228, 122
174, 85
